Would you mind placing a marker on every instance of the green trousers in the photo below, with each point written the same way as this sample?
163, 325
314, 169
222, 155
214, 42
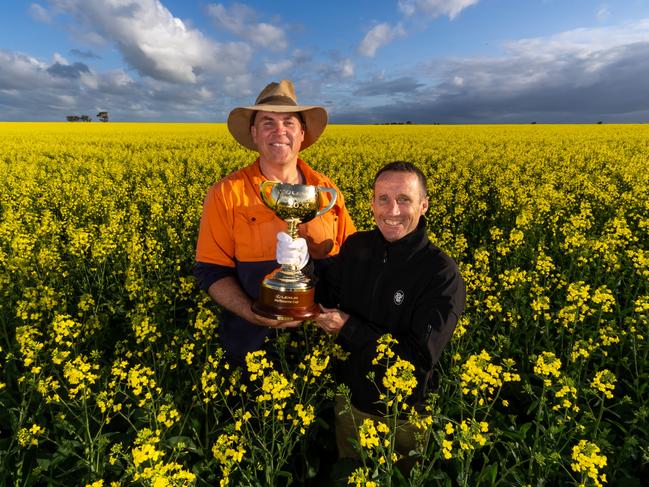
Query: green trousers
346, 432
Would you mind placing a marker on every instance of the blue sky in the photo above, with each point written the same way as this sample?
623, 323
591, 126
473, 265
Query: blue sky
424, 61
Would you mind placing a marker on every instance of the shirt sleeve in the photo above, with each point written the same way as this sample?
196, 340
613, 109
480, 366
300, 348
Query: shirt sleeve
346, 226
215, 243
207, 274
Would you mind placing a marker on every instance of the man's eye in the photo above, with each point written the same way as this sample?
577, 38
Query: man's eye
403, 201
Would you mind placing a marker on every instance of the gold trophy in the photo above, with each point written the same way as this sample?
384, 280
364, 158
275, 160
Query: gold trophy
286, 293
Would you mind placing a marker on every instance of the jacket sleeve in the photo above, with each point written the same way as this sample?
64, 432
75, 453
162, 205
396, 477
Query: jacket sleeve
327, 272
435, 317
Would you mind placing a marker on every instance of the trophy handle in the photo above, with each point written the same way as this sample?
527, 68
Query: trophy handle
262, 191
334, 195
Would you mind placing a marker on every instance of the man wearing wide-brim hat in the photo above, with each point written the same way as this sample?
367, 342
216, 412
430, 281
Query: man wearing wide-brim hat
237, 237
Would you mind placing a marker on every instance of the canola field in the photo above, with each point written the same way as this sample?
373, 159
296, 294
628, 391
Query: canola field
110, 370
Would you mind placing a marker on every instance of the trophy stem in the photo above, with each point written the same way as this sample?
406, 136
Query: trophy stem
292, 227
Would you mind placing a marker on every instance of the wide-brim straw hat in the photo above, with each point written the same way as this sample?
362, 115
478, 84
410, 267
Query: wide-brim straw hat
277, 97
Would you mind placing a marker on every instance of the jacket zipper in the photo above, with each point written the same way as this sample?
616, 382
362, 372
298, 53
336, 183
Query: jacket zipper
378, 279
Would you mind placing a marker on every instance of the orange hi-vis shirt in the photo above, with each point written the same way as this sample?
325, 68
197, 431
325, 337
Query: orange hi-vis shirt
236, 225
238, 237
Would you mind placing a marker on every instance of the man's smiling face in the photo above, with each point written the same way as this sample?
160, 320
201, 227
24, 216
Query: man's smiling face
398, 203
278, 137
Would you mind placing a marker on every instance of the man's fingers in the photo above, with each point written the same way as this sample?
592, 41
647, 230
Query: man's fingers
284, 237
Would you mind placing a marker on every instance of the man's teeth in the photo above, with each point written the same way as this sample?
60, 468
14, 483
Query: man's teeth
392, 222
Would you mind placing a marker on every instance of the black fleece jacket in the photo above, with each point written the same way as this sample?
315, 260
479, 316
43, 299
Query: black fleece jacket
408, 288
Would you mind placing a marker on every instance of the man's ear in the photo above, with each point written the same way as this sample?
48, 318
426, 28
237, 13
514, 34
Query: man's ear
425, 204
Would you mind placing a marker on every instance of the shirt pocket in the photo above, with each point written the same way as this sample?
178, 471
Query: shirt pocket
320, 234
255, 234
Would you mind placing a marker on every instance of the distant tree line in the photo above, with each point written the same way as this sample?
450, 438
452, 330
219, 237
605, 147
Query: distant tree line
101, 116
394, 123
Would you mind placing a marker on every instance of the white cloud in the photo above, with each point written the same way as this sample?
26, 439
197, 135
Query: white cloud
21, 72
60, 59
581, 42
154, 42
33, 90
347, 68
239, 86
379, 36
434, 8
603, 12
241, 20
40, 13
273, 69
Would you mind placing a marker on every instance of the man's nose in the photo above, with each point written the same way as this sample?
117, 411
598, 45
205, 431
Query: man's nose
279, 128
393, 207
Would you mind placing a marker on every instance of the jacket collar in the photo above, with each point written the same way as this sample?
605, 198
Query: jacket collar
407, 246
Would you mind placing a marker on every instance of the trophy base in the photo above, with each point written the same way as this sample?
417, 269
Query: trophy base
296, 304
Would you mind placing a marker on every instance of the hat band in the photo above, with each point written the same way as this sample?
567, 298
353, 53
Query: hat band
277, 100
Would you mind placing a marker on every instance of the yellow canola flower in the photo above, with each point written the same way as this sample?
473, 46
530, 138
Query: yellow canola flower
27, 337
275, 387
65, 329
80, 374
146, 453
481, 378
318, 363
145, 330
168, 415
384, 348
547, 365
211, 379
228, 450
361, 478
29, 436
257, 363
588, 461
566, 396
447, 449
367, 435
399, 379
604, 381
140, 380
304, 416
48, 387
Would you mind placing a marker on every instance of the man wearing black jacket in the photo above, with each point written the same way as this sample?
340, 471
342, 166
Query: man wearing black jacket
390, 280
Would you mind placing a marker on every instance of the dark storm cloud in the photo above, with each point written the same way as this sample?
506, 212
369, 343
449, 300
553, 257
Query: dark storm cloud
68, 70
388, 87
570, 87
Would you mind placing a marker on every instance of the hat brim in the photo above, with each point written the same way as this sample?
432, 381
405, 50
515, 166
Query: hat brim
315, 119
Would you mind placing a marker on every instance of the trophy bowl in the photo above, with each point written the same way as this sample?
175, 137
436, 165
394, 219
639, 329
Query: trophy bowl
287, 293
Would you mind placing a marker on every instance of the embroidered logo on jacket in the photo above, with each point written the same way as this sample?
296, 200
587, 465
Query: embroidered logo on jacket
398, 297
